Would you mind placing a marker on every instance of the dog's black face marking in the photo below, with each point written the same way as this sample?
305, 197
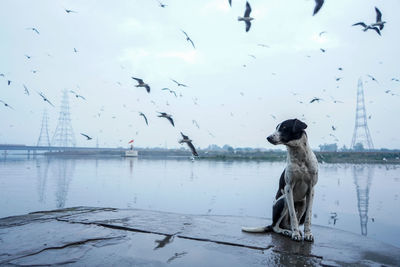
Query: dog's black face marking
287, 131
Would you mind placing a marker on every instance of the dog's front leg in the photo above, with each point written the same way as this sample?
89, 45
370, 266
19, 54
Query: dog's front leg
292, 213
308, 236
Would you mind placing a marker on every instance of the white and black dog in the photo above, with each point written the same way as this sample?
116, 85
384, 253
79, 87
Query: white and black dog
294, 199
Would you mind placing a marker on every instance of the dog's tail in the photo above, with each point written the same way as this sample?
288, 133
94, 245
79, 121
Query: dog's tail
263, 229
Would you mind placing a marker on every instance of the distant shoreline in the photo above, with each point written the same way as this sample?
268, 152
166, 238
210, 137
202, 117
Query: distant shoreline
366, 157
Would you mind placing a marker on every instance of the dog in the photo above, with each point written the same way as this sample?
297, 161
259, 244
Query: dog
293, 202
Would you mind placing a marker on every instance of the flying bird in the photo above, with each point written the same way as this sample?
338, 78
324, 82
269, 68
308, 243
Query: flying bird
372, 78
77, 95
45, 98
144, 116
264, 45
377, 26
26, 91
161, 4
338, 79
28, 56
75, 50
171, 91
230, 2
246, 18
315, 99
167, 116
142, 84
87, 136
195, 123
8, 82
6, 105
333, 128
318, 5
321, 33
340, 68
70, 11
188, 38
188, 141
253, 56
322, 50
395, 79
179, 84
33, 29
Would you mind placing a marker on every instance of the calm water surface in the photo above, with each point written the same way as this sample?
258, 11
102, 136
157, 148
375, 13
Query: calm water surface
363, 199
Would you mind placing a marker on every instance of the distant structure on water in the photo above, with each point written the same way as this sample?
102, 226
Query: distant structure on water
44, 139
361, 136
64, 134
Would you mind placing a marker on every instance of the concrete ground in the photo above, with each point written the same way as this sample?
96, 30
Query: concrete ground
85, 236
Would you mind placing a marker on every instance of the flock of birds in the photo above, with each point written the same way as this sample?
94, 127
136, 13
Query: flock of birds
377, 26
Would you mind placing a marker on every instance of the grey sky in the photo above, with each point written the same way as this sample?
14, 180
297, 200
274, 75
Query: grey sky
119, 39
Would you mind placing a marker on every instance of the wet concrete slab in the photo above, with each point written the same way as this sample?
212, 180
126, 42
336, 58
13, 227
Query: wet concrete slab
128, 237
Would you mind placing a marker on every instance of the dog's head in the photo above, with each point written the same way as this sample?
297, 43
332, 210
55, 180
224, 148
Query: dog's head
287, 131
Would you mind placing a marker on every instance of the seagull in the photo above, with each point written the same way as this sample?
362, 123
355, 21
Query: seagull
273, 116
230, 2
333, 128
395, 79
76, 95
28, 57
70, 11
5, 104
188, 38
8, 82
26, 90
340, 68
315, 99
377, 26
161, 4
264, 45
142, 84
246, 18
321, 33
379, 21
195, 123
167, 116
45, 99
338, 79
87, 136
185, 139
144, 116
372, 78
253, 56
179, 84
318, 5
75, 50
367, 27
33, 29
323, 50
171, 91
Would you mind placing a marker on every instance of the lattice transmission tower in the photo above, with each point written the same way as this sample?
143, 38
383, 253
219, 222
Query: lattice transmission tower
64, 134
361, 133
44, 139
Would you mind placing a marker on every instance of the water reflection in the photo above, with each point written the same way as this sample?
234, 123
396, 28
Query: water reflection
62, 170
362, 176
42, 169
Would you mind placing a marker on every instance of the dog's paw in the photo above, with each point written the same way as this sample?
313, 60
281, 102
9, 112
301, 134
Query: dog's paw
296, 236
287, 233
308, 236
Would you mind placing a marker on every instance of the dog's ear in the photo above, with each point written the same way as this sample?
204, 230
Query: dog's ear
298, 126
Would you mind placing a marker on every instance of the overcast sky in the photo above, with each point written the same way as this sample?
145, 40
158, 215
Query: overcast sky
233, 96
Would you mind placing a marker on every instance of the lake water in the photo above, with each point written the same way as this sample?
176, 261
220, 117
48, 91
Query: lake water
363, 199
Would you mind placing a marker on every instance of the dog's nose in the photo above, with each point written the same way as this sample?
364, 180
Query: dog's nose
269, 139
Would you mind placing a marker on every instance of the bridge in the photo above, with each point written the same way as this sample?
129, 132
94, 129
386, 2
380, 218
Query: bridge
35, 149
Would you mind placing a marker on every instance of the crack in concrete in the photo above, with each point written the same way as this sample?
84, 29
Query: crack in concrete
77, 243
117, 227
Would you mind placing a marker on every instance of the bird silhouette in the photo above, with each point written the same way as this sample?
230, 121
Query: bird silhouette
45, 98
246, 18
87, 136
33, 29
70, 11
179, 84
188, 38
77, 95
315, 99
318, 5
171, 91
377, 26
167, 116
26, 91
188, 141
142, 84
6, 105
144, 116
